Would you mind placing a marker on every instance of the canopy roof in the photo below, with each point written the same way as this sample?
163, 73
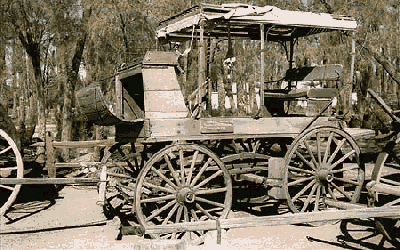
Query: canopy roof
244, 22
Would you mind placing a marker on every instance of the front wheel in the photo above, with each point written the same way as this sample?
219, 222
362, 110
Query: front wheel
182, 183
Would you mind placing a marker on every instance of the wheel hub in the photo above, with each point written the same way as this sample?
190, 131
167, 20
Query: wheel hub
324, 175
185, 195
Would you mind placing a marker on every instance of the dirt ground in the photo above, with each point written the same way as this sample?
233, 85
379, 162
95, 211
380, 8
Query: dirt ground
70, 219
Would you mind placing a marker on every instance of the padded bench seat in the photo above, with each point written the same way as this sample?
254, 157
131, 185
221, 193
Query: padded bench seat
299, 93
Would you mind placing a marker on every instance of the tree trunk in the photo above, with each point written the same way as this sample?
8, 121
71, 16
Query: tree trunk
387, 66
69, 91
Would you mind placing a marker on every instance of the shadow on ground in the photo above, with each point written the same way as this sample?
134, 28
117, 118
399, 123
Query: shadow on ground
32, 199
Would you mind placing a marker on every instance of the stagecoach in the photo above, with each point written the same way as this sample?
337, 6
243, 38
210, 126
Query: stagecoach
174, 160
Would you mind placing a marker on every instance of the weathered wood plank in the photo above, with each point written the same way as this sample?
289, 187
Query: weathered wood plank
82, 164
13, 181
50, 159
79, 144
286, 219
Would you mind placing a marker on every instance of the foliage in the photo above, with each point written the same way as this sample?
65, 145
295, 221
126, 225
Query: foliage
113, 32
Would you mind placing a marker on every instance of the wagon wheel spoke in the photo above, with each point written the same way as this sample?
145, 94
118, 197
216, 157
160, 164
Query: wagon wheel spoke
310, 152
205, 212
392, 203
341, 160
5, 150
210, 202
304, 160
300, 170
338, 147
328, 146
202, 169
177, 220
170, 214
300, 181
315, 169
157, 212
215, 175
318, 196
162, 176
7, 187
319, 148
183, 181
189, 177
168, 190
173, 172
340, 191
344, 169
157, 199
303, 190
309, 197
347, 181
389, 181
332, 194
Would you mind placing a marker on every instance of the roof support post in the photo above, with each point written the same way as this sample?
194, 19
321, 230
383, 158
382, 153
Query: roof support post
118, 94
291, 52
351, 77
202, 65
262, 32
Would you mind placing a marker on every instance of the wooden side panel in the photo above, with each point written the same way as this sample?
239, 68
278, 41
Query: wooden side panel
269, 127
163, 97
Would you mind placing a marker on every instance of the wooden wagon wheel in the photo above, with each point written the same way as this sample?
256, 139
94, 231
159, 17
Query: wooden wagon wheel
249, 155
12, 166
315, 169
122, 164
183, 183
367, 232
386, 173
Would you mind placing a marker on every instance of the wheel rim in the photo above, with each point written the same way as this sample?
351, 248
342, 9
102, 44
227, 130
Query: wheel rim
389, 174
248, 155
315, 169
183, 183
12, 166
120, 187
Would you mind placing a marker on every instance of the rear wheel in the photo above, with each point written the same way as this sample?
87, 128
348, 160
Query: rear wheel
322, 163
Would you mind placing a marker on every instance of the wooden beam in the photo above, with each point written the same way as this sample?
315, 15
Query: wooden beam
202, 78
262, 32
285, 219
50, 159
79, 144
82, 164
42, 181
118, 96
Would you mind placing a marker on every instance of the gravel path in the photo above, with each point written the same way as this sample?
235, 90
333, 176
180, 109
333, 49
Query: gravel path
74, 221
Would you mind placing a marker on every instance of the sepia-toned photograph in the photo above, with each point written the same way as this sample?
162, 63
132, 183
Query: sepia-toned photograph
194, 125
